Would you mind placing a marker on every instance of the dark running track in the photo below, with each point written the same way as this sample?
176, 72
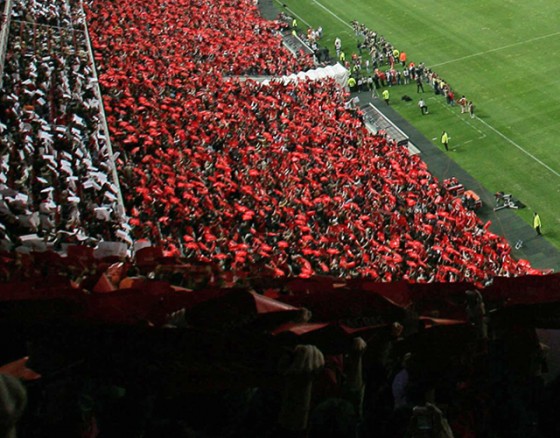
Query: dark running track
269, 9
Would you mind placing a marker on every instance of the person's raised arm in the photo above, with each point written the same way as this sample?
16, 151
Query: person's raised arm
354, 384
298, 370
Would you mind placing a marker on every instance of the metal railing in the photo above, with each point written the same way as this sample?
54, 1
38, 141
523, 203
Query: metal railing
4, 33
103, 118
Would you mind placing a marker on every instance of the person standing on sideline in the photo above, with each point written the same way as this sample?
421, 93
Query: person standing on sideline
445, 140
402, 58
386, 96
352, 84
450, 97
374, 93
471, 109
423, 106
419, 85
537, 223
463, 103
406, 76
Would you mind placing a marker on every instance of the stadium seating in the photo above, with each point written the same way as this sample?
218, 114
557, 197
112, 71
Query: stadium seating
56, 167
216, 169
219, 170
242, 174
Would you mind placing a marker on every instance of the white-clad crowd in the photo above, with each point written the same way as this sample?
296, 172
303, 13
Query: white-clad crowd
55, 179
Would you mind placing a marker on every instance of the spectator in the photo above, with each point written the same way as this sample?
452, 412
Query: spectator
13, 397
12, 403
296, 399
419, 84
428, 420
400, 382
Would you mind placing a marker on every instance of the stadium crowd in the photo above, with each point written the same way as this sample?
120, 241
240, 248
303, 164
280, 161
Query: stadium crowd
240, 173
56, 167
154, 359
221, 200
235, 177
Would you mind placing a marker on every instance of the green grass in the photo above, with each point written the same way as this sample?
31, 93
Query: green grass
499, 53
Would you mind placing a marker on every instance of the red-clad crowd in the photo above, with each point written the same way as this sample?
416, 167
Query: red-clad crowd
281, 176
55, 181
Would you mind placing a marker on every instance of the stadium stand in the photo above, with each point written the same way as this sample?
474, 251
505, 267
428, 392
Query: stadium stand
237, 184
281, 164
56, 176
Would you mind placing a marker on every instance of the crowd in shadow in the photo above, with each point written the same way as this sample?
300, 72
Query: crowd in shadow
269, 358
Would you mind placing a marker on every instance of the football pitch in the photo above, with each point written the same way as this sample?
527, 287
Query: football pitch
502, 55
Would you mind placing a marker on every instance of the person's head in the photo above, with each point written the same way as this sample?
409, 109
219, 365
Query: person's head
334, 418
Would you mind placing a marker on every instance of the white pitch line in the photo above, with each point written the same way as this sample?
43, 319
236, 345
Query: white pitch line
309, 24
497, 49
509, 140
332, 13
450, 109
294, 14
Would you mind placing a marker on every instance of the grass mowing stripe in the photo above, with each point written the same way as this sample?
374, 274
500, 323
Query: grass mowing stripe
457, 114
509, 140
467, 57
